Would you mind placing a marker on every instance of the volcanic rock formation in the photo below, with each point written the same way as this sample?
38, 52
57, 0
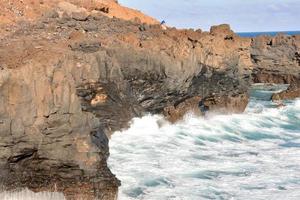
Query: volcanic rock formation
73, 76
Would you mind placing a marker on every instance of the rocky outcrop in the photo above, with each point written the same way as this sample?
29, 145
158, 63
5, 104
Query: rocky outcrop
13, 11
71, 78
276, 59
48, 142
65, 89
291, 93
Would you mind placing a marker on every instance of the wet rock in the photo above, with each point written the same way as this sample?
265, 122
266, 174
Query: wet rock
177, 112
59, 103
100, 139
235, 103
291, 93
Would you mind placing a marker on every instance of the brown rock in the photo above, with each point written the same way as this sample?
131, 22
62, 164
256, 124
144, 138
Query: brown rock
223, 29
275, 59
90, 26
177, 112
86, 46
51, 14
79, 16
227, 104
291, 93
60, 101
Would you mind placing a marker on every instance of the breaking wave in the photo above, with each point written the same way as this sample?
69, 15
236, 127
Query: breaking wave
28, 195
254, 155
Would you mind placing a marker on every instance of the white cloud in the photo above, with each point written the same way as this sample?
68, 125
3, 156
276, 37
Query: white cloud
250, 15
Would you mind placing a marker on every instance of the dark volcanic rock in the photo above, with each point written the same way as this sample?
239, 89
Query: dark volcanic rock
235, 103
63, 93
176, 112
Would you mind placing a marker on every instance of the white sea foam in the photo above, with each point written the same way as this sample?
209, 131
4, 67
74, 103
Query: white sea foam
28, 195
254, 155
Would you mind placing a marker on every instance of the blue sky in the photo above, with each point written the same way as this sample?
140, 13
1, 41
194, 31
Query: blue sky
242, 15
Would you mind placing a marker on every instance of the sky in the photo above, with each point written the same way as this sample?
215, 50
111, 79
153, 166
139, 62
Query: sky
242, 15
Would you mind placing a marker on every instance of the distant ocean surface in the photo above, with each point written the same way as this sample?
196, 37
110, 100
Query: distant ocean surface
255, 34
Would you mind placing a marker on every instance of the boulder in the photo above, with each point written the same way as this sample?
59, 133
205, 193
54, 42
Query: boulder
223, 29
69, 8
80, 16
89, 26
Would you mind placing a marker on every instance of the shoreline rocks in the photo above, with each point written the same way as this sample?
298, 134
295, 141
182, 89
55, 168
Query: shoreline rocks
292, 92
66, 84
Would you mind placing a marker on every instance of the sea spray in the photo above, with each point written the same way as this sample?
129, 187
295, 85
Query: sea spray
29, 195
254, 155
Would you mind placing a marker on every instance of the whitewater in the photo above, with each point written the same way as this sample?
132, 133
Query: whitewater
254, 155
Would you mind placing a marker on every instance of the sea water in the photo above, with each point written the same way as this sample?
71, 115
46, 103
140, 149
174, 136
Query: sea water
274, 33
254, 155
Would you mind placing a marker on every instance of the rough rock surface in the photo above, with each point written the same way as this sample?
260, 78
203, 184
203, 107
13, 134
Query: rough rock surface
292, 92
276, 59
67, 81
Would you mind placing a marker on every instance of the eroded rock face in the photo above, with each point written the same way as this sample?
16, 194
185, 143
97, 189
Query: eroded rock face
64, 93
67, 83
276, 59
48, 142
234, 103
291, 93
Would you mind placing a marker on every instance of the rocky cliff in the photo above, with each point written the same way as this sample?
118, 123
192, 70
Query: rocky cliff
73, 76
276, 59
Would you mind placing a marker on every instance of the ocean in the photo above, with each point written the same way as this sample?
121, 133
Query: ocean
254, 155
255, 34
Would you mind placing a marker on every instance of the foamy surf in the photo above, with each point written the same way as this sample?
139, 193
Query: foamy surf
29, 195
254, 155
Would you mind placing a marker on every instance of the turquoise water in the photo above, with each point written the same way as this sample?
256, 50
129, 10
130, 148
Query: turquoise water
255, 34
254, 155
